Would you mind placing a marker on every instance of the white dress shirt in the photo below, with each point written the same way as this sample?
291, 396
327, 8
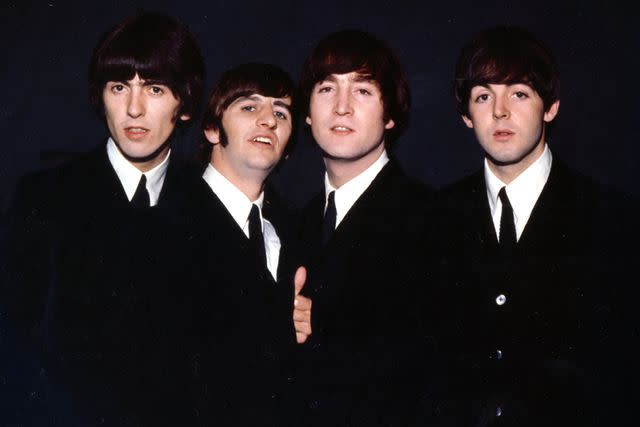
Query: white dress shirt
129, 175
523, 192
349, 192
239, 206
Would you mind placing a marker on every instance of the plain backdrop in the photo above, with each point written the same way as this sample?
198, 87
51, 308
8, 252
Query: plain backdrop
46, 45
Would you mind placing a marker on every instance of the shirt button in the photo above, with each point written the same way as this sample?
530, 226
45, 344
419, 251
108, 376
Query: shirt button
498, 411
501, 299
498, 354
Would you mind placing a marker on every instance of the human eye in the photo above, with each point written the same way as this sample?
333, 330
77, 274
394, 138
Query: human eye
521, 94
363, 91
248, 108
156, 90
116, 87
324, 88
280, 115
483, 97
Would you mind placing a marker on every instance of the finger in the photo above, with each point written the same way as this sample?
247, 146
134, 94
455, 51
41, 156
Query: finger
301, 338
302, 303
302, 315
302, 327
299, 279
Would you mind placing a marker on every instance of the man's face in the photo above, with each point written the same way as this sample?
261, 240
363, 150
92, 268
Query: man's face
346, 115
257, 130
509, 122
141, 117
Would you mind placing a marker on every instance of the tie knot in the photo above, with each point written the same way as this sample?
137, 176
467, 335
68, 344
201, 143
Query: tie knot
256, 238
331, 200
507, 236
254, 216
502, 194
329, 221
140, 198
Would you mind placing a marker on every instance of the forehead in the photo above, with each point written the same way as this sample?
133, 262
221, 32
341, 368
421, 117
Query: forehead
352, 77
284, 101
502, 86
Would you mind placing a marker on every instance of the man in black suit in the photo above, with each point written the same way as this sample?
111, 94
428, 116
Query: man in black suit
242, 250
533, 311
360, 237
87, 309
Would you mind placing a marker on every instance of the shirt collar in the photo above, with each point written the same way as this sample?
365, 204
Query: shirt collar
523, 192
349, 192
236, 202
129, 175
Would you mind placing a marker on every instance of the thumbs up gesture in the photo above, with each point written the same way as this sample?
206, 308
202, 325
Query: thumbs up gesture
301, 307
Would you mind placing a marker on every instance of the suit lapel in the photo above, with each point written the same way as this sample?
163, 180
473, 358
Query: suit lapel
108, 188
486, 232
223, 229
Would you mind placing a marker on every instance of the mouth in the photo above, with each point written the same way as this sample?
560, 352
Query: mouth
503, 134
341, 129
263, 140
135, 132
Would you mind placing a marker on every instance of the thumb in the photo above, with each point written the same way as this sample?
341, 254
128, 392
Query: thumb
299, 279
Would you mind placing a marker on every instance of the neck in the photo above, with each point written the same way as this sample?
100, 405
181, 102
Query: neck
145, 165
507, 172
250, 185
341, 171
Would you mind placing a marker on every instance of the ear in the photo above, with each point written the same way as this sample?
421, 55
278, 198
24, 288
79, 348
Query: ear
467, 121
308, 120
212, 135
389, 124
552, 112
185, 117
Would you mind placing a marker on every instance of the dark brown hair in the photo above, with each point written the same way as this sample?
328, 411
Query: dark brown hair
156, 47
245, 80
506, 55
358, 51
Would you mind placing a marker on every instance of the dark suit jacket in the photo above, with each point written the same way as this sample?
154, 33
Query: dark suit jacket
242, 314
360, 367
91, 315
551, 354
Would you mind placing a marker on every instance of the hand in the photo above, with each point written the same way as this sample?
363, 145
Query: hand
301, 307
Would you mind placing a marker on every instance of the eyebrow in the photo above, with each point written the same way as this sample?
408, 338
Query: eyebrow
142, 82
362, 78
358, 78
282, 104
259, 98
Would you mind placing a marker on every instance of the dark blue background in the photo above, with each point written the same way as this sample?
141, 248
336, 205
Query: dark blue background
46, 46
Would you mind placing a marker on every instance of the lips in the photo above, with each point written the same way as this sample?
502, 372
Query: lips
341, 129
503, 134
135, 132
262, 139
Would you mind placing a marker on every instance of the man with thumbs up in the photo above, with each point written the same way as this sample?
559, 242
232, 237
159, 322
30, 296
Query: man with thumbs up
361, 236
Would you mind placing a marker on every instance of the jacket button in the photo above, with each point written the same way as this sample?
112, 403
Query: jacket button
498, 354
498, 411
501, 299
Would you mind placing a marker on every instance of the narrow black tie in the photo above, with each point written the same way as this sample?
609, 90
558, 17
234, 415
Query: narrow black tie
329, 222
140, 198
255, 234
507, 226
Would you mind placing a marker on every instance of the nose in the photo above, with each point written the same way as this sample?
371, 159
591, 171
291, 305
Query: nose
500, 109
135, 105
343, 103
266, 118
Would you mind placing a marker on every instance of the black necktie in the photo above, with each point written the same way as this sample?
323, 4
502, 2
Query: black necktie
507, 226
255, 234
329, 222
141, 196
